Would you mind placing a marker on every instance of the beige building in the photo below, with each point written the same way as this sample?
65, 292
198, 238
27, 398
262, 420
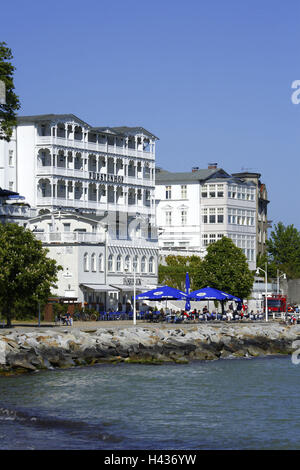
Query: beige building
262, 222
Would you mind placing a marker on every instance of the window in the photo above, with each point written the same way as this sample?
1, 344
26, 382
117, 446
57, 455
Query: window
220, 215
151, 265
183, 215
136, 263
119, 263
127, 263
110, 263
143, 264
204, 191
212, 215
220, 190
205, 239
204, 216
183, 191
11, 185
93, 262
67, 227
85, 262
168, 218
212, 190
168, 192
11, 158
100, 262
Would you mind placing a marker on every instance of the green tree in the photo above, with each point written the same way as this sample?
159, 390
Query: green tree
27, 275
284, 249
225, 267
8, 109
261, 261
173, 272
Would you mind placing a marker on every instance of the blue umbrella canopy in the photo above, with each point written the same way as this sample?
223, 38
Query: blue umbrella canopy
162, 293
209, 293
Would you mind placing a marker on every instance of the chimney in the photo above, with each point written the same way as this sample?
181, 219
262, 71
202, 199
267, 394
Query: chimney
212, 166
195, 168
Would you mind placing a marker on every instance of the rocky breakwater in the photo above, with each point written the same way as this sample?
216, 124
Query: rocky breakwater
64, 348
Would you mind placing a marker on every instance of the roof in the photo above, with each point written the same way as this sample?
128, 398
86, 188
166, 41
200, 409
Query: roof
121, 130
5, 193
163, 176
48, 117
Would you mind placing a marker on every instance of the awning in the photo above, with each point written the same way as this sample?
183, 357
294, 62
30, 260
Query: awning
124, 288
100, 287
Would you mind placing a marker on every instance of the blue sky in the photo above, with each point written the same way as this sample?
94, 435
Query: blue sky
212, 79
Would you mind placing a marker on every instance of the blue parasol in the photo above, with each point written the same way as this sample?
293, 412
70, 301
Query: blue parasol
162, 293
209, 293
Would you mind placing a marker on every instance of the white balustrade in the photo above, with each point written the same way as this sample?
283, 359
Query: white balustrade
70, 237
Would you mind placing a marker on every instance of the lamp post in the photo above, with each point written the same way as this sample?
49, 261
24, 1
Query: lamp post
278, 277
266, 288
137, 217
283, 275
134, 292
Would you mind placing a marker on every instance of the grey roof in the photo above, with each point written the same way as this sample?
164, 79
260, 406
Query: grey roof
48, 117
129, 130
122, 130
163, 176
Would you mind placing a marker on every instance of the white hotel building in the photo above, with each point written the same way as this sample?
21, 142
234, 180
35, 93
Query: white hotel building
93, 188
197, 208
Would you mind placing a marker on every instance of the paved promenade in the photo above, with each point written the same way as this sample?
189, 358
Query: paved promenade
90, 325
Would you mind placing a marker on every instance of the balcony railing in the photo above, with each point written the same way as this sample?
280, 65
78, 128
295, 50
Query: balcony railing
80, 144
17, 211
137, 242
70, 237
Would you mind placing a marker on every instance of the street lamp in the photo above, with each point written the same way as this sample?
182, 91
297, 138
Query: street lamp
126, 269
278, 277
138, 217
283, 275
266, 289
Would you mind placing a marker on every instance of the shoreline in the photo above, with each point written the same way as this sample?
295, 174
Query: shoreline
28, 348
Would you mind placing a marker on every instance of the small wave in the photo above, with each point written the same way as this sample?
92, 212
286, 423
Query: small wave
48, 422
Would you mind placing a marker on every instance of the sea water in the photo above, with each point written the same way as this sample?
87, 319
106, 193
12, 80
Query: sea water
223, 404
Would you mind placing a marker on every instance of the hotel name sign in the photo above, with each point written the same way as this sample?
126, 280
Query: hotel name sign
93, 175
129, 281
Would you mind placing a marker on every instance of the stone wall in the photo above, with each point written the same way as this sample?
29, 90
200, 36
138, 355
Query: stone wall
60, 347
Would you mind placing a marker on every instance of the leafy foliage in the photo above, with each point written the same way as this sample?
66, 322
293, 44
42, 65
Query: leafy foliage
262, 260
225, 267
284, 249
173, 273
27, 275
8, 109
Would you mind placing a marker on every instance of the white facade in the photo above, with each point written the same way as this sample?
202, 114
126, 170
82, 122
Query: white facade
8, 167
198, 208
98, 268
91, 192
63, 162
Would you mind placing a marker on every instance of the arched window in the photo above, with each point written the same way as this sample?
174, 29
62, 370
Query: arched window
151, 265
136, 263
110, 266
143, 264
86, 262
100, 262
127, 263
119, 263
93, 262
